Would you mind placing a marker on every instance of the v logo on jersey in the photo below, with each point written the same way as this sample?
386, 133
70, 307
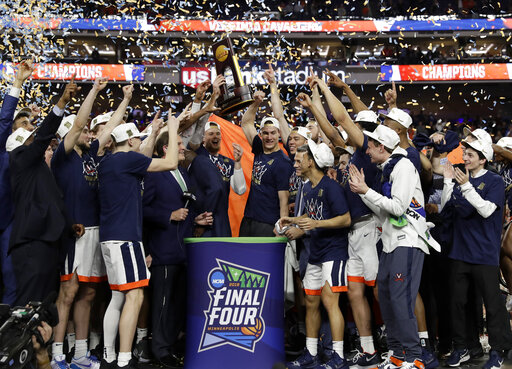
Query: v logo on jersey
258, 170
90, 171
223, 168
314, 209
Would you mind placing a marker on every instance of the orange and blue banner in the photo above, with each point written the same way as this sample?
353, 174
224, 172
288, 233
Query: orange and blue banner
61, 71
259, 26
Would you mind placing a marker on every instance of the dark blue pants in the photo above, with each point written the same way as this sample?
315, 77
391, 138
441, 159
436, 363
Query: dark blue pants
398, 281
168, 308
486, 281
8, 278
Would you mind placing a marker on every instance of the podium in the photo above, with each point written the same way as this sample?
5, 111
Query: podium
235, 312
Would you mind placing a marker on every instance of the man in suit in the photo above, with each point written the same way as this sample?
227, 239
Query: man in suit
214, 174
168, 221
10, 102
39, 210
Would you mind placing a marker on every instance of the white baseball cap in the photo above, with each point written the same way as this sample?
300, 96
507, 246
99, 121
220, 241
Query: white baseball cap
385, 136
505, 142
322, 154
303, 131
17, 138
22, 110
400, 116
367, 116
481, 146
65, 125
101, 119
209, 125
269, 121
125, 131
479, 134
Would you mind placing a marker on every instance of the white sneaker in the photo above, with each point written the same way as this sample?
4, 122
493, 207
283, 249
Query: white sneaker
59, 362
85, 362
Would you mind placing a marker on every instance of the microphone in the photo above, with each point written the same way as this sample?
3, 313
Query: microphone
188, 196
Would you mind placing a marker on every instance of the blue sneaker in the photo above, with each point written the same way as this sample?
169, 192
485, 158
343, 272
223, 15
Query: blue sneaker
59, 362
304, 361
429, 359
365, 359
458, 357
494, 362
336, 362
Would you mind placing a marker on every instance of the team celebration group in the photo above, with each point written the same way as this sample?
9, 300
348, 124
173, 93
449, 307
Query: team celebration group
368, 209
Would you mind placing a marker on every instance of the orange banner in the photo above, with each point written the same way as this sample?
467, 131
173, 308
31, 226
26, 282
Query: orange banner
233, 133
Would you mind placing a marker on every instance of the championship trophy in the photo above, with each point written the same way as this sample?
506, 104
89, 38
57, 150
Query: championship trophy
234, 95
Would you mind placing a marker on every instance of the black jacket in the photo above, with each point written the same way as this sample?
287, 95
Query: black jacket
39, 210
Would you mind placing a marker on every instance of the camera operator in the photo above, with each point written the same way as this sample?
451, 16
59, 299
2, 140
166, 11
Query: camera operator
42, 359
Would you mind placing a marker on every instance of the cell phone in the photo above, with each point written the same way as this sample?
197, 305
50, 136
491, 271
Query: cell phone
461, 166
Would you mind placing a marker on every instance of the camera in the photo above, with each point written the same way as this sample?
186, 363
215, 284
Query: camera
18, 327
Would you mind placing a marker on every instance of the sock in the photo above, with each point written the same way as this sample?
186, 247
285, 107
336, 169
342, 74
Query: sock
302, 328
80, 348
123, 358
141, 333
111, 324
94, 340
367, 344
337, 346
312, 345
57, 351
71, 341
109, 353
424, 341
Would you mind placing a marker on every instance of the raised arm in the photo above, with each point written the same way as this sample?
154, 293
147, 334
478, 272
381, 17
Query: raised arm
170, 162
208, 108
249, 117
46, 132
391, 96
116, 118
83, 114
340, 114
25, 69
148, 145
276, 103
326, 127
355, 101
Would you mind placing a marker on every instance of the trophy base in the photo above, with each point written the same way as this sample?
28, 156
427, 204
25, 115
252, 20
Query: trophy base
241, 100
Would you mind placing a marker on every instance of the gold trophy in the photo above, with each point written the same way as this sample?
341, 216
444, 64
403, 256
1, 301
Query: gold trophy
234, 95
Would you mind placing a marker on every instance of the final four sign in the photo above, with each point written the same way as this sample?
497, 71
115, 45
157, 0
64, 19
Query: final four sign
237, 295
235, 302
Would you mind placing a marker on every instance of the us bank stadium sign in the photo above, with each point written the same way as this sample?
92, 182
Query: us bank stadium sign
252, 73
237, 294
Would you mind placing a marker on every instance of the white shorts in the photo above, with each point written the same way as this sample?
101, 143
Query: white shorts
126, 265
363, 261
84, 258
334, 272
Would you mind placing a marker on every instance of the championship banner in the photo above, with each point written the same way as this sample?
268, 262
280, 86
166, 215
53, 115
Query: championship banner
235, 302
114, 72
446, 72
387, 25
267, 26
